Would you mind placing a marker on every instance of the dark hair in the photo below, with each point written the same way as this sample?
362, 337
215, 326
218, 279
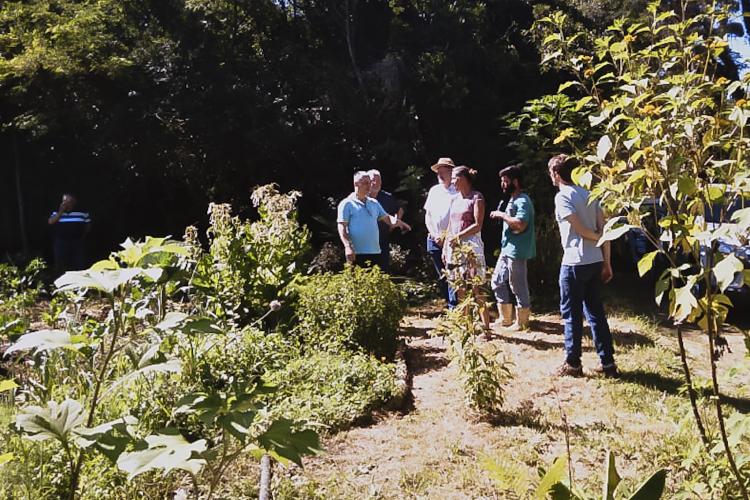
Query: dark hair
563, 165
467, 173
512, 172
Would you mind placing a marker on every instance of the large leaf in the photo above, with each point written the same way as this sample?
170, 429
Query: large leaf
110, 438
603, 147
612, 230
684, 303
652, 488
166, 451
106, 280
554, 476
152, 365
646, 263
284, 444
43, 340
611, 478
726, 269
7, 385
171, 320
55, 421
742, 218
5, 458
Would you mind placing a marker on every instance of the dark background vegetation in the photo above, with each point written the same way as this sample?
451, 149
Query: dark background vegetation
150, 109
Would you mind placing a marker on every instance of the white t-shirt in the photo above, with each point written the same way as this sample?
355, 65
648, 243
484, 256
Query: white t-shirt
576, 250
438, 206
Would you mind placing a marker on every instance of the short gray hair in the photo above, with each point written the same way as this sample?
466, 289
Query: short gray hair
373, 173
359, 174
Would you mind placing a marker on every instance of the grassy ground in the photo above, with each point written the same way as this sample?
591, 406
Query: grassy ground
435, 448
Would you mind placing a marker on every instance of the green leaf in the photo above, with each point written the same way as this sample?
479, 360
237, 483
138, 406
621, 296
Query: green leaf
5, 458
54, 421
106, 281
611, 478
603, 147
726, 269
646, 263
610, 232
7, 385
553, 477
171, 320
715, 194
281, 442
43, 340
742, 217
652, 488
566, 85
686, 186
165, 451
684, 302
110, 439
580, 103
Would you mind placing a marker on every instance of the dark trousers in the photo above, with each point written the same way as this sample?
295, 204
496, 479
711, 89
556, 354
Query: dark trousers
579, 297
436, 254
70, 255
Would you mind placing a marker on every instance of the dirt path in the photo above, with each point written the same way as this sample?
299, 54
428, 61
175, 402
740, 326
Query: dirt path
435, 448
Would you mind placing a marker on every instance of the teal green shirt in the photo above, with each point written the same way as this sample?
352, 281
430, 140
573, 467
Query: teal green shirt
522, 245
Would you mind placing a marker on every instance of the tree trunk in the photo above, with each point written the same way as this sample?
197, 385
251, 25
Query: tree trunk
265, 478
19, 198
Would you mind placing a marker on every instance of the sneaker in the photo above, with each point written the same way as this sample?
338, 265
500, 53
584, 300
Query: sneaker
609, 371
567, 370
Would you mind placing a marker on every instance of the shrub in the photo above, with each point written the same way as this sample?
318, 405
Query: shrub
357, 308
332, 390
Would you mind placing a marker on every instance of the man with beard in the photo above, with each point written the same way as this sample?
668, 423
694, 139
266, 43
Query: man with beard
517, 247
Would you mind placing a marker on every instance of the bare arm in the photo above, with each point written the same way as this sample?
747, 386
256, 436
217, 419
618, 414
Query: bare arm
347, 241
606, 250
395, 223
581, 229
478, 219
514, 223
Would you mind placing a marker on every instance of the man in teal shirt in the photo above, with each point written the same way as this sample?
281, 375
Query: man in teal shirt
517, 247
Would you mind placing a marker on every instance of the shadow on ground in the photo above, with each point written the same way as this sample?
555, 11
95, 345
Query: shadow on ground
674, 386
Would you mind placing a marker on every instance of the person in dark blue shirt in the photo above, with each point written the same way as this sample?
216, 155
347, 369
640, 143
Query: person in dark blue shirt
70, 228
392, 207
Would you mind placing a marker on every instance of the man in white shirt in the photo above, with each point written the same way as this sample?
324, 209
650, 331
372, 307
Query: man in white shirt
583, 269
436, 212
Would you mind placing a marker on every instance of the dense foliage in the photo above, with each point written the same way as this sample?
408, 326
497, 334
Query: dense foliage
356, 309
663, 148
151, 367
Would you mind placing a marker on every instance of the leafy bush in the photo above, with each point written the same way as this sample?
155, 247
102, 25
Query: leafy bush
332, 390
357, 308
249, 264
19, 289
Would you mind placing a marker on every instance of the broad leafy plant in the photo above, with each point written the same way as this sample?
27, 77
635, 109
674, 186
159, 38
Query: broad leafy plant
142, 338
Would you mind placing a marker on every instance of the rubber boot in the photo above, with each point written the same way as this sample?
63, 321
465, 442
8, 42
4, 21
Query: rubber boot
507, 315
523, 319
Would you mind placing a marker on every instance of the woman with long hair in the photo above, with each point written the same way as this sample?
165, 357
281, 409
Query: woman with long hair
464, 249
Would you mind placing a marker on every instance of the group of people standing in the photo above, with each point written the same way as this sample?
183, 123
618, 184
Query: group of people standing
454, 214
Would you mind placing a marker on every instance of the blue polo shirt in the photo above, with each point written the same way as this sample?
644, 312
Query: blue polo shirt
362, 219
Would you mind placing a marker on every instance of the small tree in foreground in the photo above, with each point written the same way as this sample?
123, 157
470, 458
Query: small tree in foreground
669, 136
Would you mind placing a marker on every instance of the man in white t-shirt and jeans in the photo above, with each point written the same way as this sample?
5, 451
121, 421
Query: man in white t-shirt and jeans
584, 267
436, 211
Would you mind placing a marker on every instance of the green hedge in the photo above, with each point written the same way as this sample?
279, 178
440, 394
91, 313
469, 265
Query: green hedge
357, 308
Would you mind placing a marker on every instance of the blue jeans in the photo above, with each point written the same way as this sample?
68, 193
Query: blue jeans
579, 296
511, 279
436, 254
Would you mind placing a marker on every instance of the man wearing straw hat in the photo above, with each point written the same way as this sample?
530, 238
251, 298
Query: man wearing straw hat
436, 212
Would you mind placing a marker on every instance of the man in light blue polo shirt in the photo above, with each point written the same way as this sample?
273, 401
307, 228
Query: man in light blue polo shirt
584, 267
357, 219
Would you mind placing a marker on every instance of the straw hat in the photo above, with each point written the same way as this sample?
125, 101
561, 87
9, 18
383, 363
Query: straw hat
443, 162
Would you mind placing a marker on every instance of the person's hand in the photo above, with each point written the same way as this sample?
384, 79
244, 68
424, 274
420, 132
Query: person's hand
349, 253
439, 241
405, 228
607, 273
496, 214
